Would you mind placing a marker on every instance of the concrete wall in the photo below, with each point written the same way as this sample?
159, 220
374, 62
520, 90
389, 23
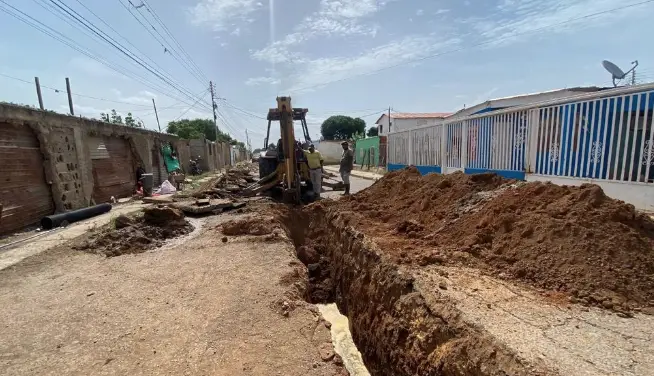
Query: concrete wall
399, 125
331, 151
67, 143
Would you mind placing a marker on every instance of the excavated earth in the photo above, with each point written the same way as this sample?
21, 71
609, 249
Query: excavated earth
575, 241
478, 275
136, 234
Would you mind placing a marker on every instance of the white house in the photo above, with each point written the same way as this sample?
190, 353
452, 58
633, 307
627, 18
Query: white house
401, 121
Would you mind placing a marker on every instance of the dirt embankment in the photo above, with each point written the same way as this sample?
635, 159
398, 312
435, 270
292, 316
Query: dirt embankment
573, 240
392, 325
137, 234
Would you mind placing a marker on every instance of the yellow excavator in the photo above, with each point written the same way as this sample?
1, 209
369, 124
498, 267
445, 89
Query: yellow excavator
284, 166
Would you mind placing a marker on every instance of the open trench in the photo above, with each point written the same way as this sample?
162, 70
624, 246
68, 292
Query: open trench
394, 327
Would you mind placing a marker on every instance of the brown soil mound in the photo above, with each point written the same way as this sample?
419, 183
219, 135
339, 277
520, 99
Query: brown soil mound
249, 226
136, 235
574, 240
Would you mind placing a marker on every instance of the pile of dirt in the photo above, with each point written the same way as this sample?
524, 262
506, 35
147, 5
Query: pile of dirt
574, 240
254, 226
128, 235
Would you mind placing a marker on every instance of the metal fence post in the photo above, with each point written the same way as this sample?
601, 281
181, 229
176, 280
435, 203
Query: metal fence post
532, 142
464, 144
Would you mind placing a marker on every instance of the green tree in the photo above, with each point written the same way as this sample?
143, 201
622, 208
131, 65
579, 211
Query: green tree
373, 131
195, 128
341, 127
115, 118
131, 122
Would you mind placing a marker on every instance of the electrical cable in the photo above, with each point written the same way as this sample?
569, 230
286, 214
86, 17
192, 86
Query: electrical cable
154, 63
115, 44
165, 28
194, 104
173, 52
58, 36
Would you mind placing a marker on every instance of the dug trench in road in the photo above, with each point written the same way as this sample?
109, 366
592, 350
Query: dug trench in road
209, 304
422, 302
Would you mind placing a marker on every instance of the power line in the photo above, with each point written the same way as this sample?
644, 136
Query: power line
173, 52
244, 111
194, 104
165, 28
477, 44
58, 36
112, 42
121, 36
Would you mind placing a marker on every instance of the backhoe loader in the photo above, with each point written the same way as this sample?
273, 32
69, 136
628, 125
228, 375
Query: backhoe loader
284, 166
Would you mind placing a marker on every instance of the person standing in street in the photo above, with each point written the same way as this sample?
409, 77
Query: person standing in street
316, 166
347, 164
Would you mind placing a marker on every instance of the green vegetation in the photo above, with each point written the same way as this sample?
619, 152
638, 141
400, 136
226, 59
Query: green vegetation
373, 131
342, 127
115, 118
196, 128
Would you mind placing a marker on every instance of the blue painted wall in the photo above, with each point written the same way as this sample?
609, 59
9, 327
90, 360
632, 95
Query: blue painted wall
480, 135
424, 170
603, 122
509, 174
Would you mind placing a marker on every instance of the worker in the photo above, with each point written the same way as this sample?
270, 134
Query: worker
316, 168
347, 164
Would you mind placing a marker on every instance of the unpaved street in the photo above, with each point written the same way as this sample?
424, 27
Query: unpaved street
203, 307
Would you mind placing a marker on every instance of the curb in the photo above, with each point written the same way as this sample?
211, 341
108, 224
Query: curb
353, 173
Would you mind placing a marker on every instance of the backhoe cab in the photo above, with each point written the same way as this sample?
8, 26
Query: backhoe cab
283, 165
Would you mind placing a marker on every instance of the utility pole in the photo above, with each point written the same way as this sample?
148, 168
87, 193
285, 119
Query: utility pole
389, 119
214, 106
156, 114
247, 141
70, 97
38, 92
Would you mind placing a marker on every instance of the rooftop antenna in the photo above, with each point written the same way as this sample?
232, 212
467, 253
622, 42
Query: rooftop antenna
618, 74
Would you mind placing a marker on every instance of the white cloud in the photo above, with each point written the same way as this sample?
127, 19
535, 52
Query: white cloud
221, 13
317, 72
519, 20
143, 97
420, 12
262, 80
441, 11
148, 94
236, 32
333, 18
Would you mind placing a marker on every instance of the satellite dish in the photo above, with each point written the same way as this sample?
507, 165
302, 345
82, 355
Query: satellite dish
616, 72
613, 69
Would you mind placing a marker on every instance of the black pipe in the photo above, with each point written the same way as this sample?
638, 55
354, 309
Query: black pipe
56, 220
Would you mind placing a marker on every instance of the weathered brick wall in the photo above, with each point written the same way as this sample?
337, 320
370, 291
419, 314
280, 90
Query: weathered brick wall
51, 162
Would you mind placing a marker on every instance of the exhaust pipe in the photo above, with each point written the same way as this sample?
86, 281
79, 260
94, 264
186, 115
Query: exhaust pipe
56, 220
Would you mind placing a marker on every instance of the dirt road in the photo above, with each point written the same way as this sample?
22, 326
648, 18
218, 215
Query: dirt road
203, 307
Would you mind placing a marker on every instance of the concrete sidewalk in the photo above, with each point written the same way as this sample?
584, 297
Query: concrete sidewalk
358, 173
14, 254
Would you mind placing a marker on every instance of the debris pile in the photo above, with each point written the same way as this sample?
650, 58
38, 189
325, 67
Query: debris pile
573, 240
228, 185
127, 235
255, 226
218, 195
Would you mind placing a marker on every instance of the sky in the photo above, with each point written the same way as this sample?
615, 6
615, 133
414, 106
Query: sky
334, 57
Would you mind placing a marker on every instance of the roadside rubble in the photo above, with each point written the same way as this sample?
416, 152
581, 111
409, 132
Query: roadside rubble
137, 234
214, 196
